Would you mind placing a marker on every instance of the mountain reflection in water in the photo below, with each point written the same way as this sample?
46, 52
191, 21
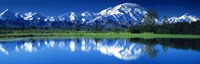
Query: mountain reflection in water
120, 48
124, 49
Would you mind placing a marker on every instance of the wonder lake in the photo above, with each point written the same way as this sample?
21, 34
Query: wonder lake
99, 51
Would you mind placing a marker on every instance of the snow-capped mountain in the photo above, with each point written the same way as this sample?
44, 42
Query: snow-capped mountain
124, 12
50, 18
71, 16
88, 16
19, 15
7, 15
127, 14
122, 15
184, 18
33, 16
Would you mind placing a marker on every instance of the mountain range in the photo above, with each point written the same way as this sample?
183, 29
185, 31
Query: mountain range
123, 15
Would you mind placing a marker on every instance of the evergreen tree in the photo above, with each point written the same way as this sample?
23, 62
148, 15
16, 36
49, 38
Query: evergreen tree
77, 27
165, 20
149, 19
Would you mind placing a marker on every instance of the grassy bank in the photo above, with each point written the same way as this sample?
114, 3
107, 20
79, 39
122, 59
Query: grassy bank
99, 35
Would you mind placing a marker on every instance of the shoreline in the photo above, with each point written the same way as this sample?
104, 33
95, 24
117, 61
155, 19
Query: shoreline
99, 35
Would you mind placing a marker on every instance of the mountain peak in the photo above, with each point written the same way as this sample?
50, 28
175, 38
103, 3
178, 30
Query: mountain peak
34, 15
129, 4
50, 18
184, 18
7, 14
5, 11
19, 15
85, 13
125, 7
88, 13
185, 15
190, 17
28, 16
128, 12
71, 16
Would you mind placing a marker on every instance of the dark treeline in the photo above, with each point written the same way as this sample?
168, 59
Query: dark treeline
184, 44
175, 28
96, 26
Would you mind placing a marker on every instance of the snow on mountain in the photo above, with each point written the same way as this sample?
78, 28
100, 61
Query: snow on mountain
28, 16
33, 16
19, 15
7, 15
122, 16
50, 18
11, 19
72, 16
184, 18
87, 16
125, 12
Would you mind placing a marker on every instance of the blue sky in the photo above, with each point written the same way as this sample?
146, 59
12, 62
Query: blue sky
57, 7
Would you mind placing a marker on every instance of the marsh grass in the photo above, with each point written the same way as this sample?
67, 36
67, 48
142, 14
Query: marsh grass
65, 33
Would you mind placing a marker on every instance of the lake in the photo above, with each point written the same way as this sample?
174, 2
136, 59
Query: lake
99, 51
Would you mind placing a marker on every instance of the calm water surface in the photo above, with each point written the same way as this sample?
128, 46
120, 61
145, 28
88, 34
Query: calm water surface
100, 51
